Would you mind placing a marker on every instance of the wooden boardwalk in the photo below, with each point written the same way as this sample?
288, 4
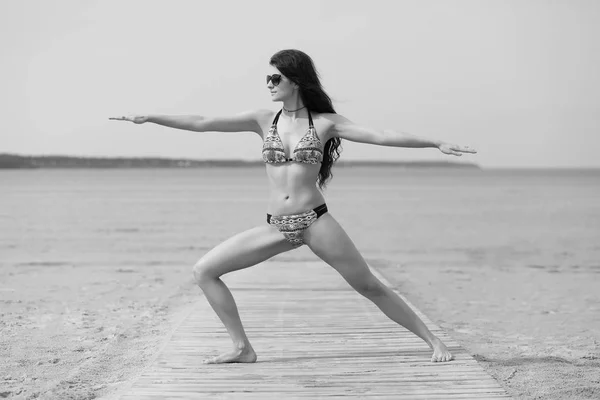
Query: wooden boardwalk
315, 338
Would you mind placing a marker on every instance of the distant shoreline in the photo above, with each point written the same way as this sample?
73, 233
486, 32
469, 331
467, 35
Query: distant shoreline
15, 161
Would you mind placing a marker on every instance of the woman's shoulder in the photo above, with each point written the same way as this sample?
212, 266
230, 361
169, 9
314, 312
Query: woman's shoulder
325, 124
262, 116
256, 114
332, 118
263, 113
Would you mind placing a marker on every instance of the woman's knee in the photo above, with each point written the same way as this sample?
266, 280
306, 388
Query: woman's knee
203, 272
368, 286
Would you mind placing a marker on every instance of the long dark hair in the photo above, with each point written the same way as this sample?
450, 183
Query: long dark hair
300, 69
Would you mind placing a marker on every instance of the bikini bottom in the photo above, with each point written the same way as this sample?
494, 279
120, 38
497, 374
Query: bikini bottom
293, 226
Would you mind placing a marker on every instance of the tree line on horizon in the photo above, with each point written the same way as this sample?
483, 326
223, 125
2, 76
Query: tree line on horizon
15, 161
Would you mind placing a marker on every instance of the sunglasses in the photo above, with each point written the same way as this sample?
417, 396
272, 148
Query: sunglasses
275, 78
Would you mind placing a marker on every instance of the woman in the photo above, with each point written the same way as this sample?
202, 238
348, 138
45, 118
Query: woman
300, 144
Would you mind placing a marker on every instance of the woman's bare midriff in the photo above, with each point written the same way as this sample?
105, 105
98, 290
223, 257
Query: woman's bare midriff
292, 188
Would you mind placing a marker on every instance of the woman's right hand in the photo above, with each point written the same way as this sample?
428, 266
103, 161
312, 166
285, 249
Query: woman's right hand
136, 119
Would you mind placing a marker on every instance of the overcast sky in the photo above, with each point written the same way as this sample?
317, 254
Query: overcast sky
518, 80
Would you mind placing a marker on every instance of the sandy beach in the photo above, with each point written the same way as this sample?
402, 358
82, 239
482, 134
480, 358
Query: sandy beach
88, 336
536, 331
70, 333
89, 292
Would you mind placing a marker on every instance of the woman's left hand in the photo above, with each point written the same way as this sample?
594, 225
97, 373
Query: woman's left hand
454, 149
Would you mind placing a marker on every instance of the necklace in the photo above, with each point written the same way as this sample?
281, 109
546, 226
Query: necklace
298, 109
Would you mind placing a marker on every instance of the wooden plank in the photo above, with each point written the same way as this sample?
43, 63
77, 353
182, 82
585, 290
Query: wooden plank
285, 395
315, 338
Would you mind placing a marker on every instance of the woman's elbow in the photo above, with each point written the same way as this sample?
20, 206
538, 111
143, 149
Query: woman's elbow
379, 139
201, 124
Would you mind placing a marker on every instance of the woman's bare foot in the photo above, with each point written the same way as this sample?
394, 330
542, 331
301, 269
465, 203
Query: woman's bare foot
243, 354
440, 351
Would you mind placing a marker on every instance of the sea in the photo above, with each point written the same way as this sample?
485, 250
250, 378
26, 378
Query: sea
118, 217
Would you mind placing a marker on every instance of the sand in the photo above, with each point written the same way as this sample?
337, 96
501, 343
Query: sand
535, 330
84, 333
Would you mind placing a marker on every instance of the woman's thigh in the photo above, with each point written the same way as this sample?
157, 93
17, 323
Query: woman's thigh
242, 250
328, 240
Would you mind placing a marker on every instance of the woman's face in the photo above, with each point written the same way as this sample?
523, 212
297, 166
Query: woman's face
284, 89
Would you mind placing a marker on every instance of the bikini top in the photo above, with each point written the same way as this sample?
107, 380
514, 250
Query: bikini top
308, 150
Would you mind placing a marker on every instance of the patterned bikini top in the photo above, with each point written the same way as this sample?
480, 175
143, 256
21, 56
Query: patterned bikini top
308, 150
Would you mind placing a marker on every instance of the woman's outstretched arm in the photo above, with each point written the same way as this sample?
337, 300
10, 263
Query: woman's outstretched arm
249, 121
345, 129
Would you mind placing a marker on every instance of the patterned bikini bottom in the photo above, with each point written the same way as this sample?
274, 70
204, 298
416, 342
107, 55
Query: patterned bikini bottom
293, 226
